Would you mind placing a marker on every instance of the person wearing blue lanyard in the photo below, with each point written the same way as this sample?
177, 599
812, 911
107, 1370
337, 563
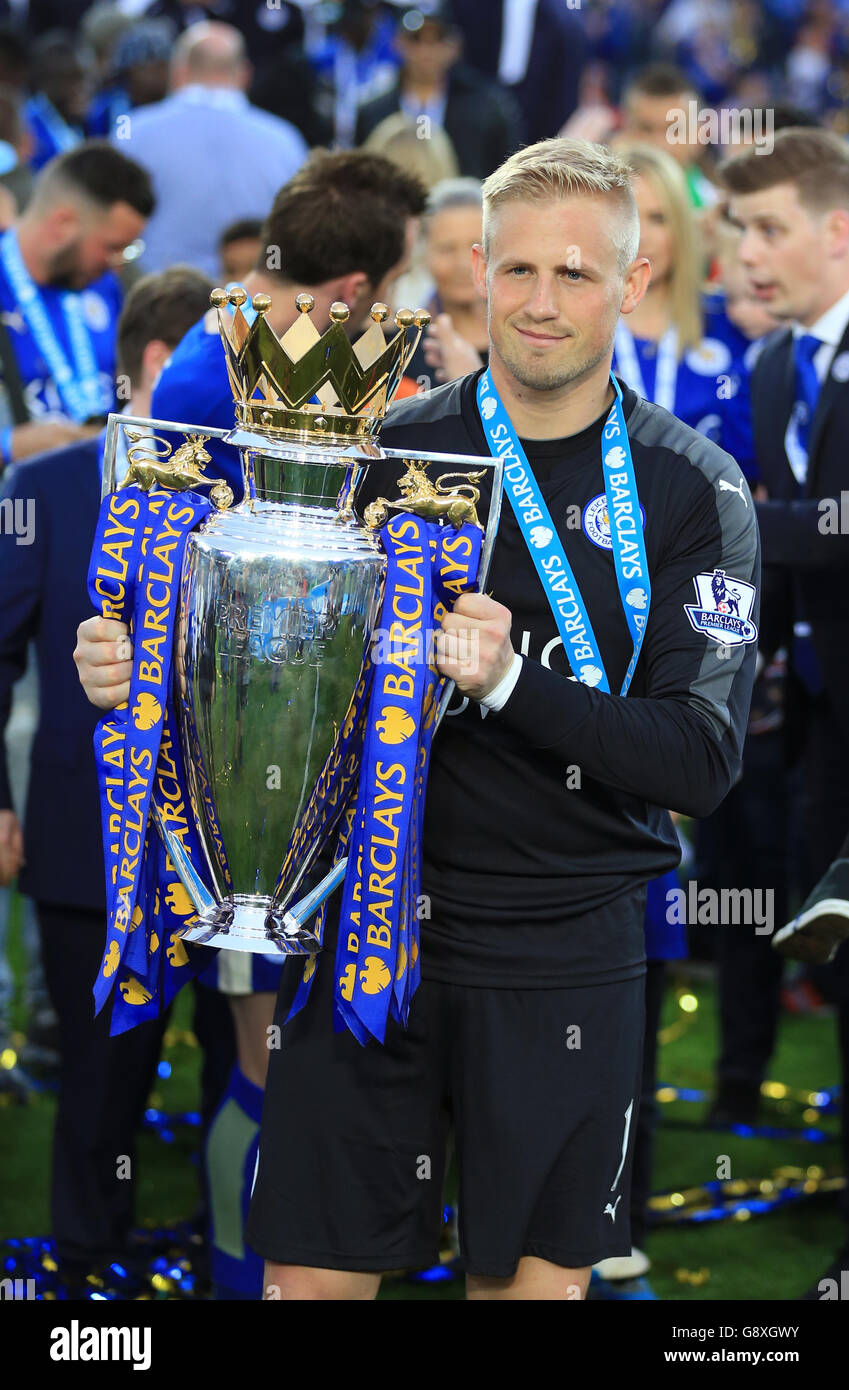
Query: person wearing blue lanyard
613, 671
105, 1082
679, 348
615, 659
59, 294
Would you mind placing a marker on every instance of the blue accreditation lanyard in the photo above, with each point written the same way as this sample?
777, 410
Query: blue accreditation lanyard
79, 386
546, 548
627, 362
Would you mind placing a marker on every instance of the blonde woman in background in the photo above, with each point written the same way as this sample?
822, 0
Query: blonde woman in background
679, 348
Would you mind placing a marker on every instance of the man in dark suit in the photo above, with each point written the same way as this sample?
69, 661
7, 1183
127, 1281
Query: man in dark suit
481, 121
792, 207
535, 48
48, 513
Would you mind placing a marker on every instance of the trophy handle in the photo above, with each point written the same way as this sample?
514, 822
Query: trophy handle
306, 907
202, 899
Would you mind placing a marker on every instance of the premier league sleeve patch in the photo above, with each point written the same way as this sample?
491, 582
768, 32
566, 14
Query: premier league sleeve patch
723, 608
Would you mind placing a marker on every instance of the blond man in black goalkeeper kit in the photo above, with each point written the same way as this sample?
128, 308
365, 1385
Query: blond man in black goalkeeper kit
605, 644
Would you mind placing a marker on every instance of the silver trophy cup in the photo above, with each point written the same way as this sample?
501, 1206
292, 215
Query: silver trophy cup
279, 600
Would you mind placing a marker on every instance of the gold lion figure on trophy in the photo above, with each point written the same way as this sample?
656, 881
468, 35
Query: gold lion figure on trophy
432, 501
177, 473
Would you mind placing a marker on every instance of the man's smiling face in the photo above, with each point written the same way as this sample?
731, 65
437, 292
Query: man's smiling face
554, 287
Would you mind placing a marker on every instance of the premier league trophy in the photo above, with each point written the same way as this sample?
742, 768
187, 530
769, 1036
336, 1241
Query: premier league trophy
274, 613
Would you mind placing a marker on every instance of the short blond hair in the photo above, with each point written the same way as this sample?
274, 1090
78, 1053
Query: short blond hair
564, 168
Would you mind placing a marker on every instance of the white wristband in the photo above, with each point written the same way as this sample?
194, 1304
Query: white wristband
497, 698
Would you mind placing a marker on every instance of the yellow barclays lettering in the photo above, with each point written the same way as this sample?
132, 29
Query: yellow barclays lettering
156, 500
174, 817
172, 807
381, 884
114, 756
401, 635
388, 865
141, 761
158, 579
115, 550
384, 816
113, 599
113, 544
405, 617
411, 564
401, 526
164, 782
114, 806
110, 584
460, 543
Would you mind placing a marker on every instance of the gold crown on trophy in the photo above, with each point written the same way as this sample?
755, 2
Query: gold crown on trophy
314, 387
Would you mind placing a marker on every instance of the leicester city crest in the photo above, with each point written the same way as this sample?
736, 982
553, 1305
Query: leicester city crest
595, 522
723, 610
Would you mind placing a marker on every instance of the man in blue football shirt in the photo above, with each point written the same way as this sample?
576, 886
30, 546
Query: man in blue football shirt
60, 297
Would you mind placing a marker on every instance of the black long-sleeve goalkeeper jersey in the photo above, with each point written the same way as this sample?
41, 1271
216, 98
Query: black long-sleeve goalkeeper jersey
544, 820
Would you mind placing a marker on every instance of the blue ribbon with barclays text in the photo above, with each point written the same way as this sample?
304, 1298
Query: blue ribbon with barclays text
370, 791
134, 576
375, 779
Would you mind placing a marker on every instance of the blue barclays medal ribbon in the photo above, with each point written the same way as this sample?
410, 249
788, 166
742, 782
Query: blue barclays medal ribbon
546, 548
379, 769
428, 568
367, 944
78, 385
456, 567
134, 576
147, 986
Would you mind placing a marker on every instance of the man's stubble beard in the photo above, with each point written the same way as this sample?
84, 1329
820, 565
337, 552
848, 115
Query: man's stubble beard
64, 273
544, 376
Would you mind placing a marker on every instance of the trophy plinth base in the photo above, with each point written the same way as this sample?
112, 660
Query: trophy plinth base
251, 924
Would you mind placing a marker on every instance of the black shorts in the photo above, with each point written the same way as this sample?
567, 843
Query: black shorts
540, 1088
